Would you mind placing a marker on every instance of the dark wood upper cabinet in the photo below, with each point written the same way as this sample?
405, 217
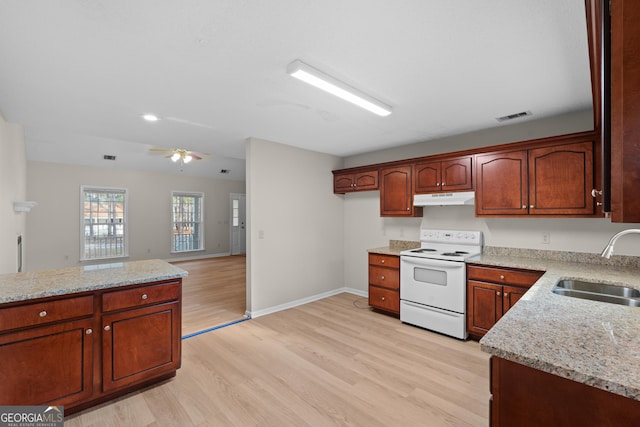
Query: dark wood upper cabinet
502, 183
561, 179
625, 111
396, 193
550, 180
350, 182
446, 175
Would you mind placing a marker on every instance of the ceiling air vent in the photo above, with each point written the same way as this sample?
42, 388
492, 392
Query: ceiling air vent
224, 170
109, 157
513, 116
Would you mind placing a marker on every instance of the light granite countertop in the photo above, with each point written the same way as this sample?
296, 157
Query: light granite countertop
594, 343
395, 247
47, 283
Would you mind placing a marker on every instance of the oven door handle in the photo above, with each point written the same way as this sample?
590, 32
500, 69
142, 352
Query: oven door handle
428, 262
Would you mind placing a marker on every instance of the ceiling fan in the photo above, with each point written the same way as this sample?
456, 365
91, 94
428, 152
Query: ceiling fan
179, 154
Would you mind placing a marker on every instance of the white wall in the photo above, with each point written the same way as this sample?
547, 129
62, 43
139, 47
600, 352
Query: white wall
55, 223
521, 131
295, 225
364, 228
13, 183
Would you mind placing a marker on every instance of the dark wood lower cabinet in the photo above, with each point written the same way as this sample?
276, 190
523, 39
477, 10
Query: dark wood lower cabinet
47, 364
140, 344
79, 350
526, 397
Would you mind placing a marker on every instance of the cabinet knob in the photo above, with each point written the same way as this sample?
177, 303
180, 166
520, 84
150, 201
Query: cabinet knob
382, 298
407, 208
107, 328
381, 277
531, 206
43, 313
596, 193
498, 293
524, 206
502, 277
88, 331
144, 296
506, 294
381, 261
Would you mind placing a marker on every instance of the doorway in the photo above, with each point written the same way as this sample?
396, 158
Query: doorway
237, 223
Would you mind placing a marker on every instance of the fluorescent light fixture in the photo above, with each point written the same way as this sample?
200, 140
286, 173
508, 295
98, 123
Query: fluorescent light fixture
150, 117
317, 78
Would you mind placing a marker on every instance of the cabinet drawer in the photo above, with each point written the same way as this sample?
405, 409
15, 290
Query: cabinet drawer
141, 296
45, 312
501, 275
390, 261
385, 277
384, 299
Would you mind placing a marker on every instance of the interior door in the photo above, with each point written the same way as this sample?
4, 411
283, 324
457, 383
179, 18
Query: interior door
238, 224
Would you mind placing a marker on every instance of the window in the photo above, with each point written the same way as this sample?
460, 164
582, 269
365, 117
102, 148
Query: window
187, 222
103, 223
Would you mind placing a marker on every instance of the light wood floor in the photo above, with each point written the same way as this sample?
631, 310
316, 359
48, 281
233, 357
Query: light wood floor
327, 363
214, 292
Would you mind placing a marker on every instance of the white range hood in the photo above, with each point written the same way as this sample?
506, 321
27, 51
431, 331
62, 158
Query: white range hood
444, 199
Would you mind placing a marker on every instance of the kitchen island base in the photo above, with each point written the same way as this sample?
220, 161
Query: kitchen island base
526, 397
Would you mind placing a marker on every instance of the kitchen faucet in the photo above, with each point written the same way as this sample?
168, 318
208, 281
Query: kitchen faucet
608, 250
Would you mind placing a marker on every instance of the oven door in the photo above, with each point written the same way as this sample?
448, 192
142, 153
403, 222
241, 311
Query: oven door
432, 282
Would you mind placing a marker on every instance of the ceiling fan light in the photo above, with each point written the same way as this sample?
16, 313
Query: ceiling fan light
317, 78
175, 157
187, 158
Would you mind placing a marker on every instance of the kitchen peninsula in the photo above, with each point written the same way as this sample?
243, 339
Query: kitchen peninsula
79, 336
554, 356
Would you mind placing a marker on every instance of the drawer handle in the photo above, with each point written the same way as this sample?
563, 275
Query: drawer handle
382, 298
43, 313
381, 261
145, 296
107, 328
502, 277
88, 331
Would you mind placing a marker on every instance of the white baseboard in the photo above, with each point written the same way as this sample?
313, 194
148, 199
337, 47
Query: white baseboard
302, 301
195, 257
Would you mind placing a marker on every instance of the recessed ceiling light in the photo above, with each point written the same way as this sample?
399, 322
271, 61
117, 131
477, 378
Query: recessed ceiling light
150, 117
317, 78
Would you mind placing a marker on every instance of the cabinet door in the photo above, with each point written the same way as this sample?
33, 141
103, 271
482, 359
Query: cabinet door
510, 296
365, 181
561, 179
343, 183
140, 344
484, 306
48, 365
625, 111
456, 174
396, 195
427, 177
502, 184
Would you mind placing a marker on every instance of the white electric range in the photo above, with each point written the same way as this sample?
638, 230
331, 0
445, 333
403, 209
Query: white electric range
433, 280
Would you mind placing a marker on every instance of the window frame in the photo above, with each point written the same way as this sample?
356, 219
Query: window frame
201, 222
125, 241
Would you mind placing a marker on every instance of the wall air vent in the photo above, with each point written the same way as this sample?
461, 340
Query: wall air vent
109, 157
224, 170
513, 116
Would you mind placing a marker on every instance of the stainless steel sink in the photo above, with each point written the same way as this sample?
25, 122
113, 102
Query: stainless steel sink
598, 292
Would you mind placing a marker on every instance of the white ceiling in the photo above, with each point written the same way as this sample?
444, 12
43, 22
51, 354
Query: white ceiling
78, 74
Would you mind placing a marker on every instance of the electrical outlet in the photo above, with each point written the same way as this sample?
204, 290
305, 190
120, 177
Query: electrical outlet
546, 238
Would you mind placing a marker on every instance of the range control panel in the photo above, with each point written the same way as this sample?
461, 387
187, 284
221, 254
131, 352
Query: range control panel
462, 237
